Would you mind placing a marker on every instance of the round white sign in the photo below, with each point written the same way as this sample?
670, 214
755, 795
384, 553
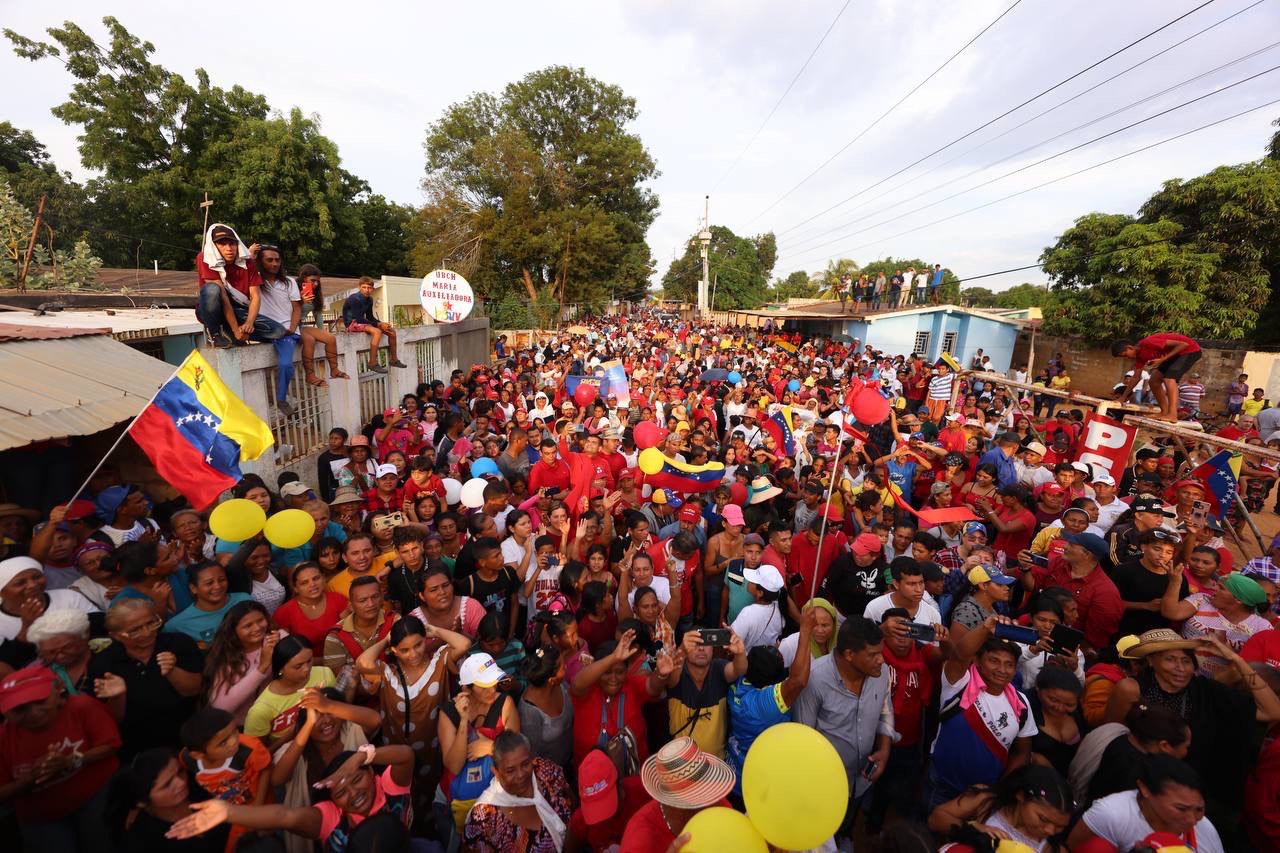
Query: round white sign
446, 296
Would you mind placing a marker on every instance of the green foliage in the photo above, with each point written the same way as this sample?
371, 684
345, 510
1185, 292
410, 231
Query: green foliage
158, 142
828, 281
979, 297
20, 148
797, 286
739, 266
539, 187
1210, 276
50, 267
509, 312
1025, 295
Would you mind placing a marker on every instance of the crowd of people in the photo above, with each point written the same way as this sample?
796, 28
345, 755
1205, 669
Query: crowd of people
898, 289
564, 656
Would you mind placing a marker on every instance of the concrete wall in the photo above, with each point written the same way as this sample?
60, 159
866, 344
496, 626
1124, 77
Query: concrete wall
1094, 371
430, 352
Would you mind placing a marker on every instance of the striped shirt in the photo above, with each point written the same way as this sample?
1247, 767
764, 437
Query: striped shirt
1191, 393
940, 387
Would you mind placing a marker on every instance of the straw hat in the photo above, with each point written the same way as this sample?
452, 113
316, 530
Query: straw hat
762, 490
682, 776
1159, 640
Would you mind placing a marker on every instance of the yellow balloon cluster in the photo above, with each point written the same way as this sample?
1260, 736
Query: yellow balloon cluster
718, 829
238, 519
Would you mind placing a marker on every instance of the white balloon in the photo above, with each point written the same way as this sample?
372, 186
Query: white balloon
452, 490
472, 493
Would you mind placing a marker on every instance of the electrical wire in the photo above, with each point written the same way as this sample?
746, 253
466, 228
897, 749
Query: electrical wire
1061, 178
992, 121
1053, 108
812, 248
783, 97
886, 113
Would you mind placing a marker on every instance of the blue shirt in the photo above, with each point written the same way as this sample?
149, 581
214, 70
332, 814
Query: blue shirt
201, 625
751, 711
1006, 472
901, 474
935, 280
177, 583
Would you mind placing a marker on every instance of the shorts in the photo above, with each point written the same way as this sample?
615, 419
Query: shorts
1175, 367
360, 327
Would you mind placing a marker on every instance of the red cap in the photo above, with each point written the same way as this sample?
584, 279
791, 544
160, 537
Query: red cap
597, 787
688, 513
1050, 488
629, 474
833, 514
80, 508
32, 684
867, 543
708, 401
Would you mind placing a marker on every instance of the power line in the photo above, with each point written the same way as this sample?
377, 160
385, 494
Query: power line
1053, 108
992, 121
1089, 257
886, 113
783, 97
1061, 178
812, 248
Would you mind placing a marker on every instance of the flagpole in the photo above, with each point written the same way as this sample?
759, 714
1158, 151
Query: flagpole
813, 584
123, 433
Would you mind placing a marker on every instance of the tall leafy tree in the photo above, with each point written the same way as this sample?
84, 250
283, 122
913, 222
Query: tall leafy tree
797, 285
540, 187
739, 266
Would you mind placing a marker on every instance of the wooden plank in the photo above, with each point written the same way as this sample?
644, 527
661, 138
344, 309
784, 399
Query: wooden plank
1200, 437
1073, 396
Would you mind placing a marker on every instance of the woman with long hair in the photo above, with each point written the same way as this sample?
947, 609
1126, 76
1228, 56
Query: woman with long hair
273, 715
312, 610
597, 617
1055, 705
147, 797
239, 658
313, 303
411, 680
200, 621
1032, 806
546, 709
1014, 521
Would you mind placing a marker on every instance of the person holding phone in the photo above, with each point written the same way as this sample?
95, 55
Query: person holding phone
1046, 618
698, 691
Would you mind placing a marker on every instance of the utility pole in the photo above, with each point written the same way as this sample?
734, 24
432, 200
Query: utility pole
704, 237
31, 247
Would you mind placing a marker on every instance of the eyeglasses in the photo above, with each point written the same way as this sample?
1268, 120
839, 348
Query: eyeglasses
146, 630
1167, 536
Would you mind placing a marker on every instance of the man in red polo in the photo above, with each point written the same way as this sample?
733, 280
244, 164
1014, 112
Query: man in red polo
1077, 568
679, 561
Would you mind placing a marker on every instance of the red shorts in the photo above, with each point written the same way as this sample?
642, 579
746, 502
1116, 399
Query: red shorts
360, 327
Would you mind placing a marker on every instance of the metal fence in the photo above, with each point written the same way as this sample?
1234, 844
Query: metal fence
306, 430
429, 366
374, 387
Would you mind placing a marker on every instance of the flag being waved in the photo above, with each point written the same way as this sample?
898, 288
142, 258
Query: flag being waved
196, 432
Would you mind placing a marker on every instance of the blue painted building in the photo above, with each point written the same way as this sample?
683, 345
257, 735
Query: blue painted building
930, 330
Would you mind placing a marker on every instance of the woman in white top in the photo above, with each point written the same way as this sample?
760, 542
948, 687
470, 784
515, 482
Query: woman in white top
1169, 798
760, 623
1031, 805
542, 408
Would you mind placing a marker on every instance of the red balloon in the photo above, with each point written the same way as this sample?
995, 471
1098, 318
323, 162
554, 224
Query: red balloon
585, 394
738, 494
870, 408
648, 434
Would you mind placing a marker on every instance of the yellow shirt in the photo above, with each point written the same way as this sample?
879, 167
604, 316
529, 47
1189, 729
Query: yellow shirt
1251, 406
275, 714
1061, 383
341, 582
1040, 545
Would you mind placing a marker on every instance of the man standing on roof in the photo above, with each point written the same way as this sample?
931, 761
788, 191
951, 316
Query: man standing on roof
357, 316
1167, 357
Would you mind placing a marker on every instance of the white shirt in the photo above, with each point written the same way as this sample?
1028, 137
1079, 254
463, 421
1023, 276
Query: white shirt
995, 711
1030, 664
269, 593
1108, 514
926, 613
758, 625
1117, 819
661, 586
10, 626
277, 300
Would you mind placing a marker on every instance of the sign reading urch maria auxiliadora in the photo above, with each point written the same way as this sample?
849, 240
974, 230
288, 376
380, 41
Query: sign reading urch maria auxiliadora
446, 296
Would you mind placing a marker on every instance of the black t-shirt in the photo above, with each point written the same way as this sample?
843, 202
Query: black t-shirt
1120, 764
154, 710
494, 594
1137, 584
851, 587
147, 834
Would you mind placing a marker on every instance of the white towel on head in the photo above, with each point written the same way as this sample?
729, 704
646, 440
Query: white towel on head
213, 258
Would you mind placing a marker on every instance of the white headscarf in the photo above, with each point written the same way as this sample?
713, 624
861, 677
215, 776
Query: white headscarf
213, 258
496, 795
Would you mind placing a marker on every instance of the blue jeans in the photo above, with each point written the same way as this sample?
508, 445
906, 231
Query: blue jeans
285, 346
209, 313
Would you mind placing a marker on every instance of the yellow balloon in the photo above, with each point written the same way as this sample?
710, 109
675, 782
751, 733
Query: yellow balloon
718, 829
290, 528
651, 460
236, 520
794, 786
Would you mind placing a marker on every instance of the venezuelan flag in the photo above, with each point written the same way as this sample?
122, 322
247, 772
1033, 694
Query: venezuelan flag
1219, 477
663, 472
196, 431
779, 425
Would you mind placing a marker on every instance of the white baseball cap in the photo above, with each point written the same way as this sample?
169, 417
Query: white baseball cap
1104, 478
384, 470
481, 670
295, 489
766, 577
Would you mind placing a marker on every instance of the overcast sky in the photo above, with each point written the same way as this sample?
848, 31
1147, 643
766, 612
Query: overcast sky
706, 74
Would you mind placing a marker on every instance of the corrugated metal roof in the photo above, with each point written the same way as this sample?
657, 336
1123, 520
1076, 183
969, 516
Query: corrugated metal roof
52, 388
32, 332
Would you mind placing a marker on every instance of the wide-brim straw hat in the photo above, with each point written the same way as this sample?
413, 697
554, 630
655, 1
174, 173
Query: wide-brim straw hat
762, 490
682, 776
1159, 640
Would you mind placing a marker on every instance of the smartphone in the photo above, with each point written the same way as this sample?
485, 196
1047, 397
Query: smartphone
1018, 633
923, 633
1065, 639
714, 636
1040, 560
553, 490
1200, 512
868, 768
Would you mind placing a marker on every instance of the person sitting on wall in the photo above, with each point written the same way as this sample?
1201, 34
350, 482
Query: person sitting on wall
357, 316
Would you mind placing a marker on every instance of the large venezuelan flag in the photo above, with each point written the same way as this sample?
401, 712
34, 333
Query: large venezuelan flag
196, 431
779, 425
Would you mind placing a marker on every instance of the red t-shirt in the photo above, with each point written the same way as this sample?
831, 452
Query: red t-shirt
541, 475
589, 710
1263, 647
603, 835
685, 572
802, 557
913, 681
1011, 543
290, 617
1153, 346
240, 279
648, 833
83, 724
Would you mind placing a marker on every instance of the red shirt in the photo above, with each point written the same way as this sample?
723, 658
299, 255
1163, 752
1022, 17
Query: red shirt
242, 280
1011, 543
290, 617
542, 475
83, 724
1096, 597
373, 501
1153, 346
803, 556
1263, 647
647, 831
685, 572
913, 681
594, 717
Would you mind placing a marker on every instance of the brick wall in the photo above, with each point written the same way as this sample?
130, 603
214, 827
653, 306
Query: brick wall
1094, 371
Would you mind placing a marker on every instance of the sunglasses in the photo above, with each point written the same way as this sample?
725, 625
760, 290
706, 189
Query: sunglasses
1167, 536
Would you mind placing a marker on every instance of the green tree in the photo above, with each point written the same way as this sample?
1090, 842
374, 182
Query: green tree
979, 297
797, 285
828, 281
739, 266
50, 266
540, 187
1025, 295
